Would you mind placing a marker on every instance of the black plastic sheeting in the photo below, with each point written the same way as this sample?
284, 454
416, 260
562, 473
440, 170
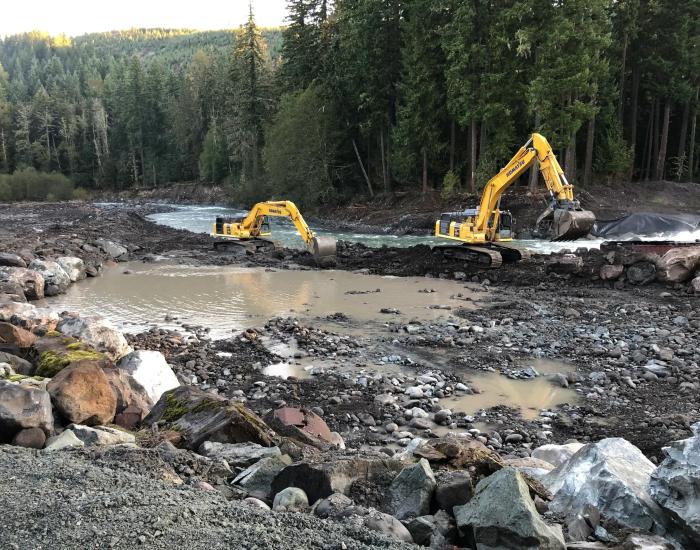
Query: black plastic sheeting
646, 225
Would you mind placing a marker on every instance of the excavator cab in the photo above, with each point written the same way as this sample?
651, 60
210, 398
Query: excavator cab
460, 225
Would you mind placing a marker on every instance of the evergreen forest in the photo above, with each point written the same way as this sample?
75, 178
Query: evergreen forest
357, 98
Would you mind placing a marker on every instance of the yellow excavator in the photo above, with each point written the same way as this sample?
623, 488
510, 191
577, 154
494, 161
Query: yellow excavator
481, 229
249, 232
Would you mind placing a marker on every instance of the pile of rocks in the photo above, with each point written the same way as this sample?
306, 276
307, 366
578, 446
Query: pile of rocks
60, 376
48, 271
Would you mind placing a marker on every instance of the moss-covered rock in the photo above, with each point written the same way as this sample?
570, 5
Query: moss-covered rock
54, 354
200, 416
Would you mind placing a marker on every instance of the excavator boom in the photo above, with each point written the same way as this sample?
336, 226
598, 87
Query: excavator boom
256, 225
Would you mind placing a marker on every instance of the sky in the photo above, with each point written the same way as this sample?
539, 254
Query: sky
74, 17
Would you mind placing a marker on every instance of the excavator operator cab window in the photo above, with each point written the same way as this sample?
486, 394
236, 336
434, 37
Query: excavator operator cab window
505, 224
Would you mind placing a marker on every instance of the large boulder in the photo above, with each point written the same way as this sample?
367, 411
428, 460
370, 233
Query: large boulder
257, 480
290, 499
65, 440
56, 280
31, 438
112, 249
31, 282
82, 394
7, 259
14, 338
641, 273
564, 264
301, 424
11, 292
133, 401
322, 479
18, 364
151, 370
411, 492
387, 524
556, 455
55, 352
199, 416
28, 316
238, 455
101, 435
611, 475
454, 488
502, 515
23, 407
678, 264
96, 332
74, 267
609, 272
675, 484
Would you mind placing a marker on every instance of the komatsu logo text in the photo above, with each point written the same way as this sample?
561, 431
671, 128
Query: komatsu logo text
509, 172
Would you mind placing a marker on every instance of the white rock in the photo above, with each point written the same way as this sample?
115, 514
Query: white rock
556, 454
66, 440
675, 484
417, 412
414, 392
151, 370
256, 503
97, 333
74, 267
112, 249
28, 314
101, 435
290, 499
56, 280
611, 475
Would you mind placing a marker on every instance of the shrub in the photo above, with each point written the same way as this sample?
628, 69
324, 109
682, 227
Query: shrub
28, 184
450, 184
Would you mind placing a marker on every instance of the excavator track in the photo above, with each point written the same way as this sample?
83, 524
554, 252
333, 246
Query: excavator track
251, 246
490, 256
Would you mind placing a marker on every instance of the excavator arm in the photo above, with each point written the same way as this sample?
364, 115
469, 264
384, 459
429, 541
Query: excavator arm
256, 225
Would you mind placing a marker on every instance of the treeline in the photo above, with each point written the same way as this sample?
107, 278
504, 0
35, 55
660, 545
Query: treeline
362, 96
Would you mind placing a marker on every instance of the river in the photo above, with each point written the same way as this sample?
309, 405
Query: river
200, 219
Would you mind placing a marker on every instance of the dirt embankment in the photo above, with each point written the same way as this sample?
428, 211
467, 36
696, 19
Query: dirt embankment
410, 213
176, 193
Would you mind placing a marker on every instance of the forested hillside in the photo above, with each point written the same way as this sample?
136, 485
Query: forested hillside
362, 96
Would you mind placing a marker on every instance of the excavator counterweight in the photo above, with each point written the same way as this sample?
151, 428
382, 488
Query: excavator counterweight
249, 231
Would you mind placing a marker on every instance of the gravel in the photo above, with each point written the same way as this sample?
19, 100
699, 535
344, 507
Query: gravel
125, 498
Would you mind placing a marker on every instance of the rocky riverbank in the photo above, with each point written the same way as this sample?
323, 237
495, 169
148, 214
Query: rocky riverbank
367, 444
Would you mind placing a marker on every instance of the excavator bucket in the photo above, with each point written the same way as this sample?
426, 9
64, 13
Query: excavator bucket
323, 250
569, 225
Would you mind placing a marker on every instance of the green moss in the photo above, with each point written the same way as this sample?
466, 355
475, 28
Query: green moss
16, 377
174, 409
52, 362
53, 334
74, 346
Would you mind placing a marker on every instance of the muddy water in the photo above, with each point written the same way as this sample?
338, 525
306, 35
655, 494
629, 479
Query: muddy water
233, 298
528, 395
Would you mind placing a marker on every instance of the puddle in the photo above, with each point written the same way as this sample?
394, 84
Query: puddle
530, 396
226, 298
287, 370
